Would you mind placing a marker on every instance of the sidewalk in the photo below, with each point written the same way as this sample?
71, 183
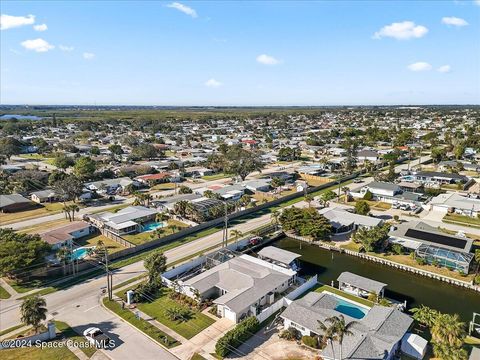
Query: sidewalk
8, 287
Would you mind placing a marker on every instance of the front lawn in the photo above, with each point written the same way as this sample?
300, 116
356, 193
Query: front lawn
163, 186
142, 325
156, 309
4, 294
464, 220
216, 176
70, 334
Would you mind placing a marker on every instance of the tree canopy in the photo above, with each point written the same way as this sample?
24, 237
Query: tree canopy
306, 222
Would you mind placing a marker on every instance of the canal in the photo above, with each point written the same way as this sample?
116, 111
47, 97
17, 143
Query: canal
401, 286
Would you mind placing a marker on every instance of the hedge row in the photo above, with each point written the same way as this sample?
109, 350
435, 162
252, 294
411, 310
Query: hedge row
237, 336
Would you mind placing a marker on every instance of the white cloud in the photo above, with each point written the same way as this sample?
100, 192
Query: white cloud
454, 21
267, 60
401, 31
66, 48
419, 66
444, 68
41, 27
10, 22
38, 45
213, 83
88, 56
477, 2
183, 8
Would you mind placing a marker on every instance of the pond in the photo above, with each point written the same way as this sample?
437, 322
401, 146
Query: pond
401, 285
19, 117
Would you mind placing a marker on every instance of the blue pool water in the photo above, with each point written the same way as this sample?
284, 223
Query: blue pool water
80, 253
153, 225
350, 309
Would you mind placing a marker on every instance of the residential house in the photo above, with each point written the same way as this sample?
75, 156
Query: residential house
66, 235
433, 246
456, 203
109, 186
376, 334
389, 193
44, 196
241, 286
433, 177
345, 222
125, 221
15, 202
368, 155
261, 185
280, 257
162, 177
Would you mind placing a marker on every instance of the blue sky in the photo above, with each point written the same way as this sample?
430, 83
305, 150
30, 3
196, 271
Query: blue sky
240, 53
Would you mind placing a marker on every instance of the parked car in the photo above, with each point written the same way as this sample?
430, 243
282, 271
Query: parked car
97, 337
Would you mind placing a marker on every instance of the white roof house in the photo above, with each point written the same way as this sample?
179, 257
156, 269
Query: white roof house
414, 346
344, 221
468, 206
240, 285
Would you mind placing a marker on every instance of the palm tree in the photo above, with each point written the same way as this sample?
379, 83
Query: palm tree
34, 311
74, 208
448, 330
328, 334
274, 216
236, 233
337, 330
64, 254
180, 207
309, 199
425, 315
449, 353
345, 191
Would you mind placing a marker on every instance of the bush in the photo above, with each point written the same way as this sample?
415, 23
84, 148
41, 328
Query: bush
289, 334
237, 336
397, 249
368, 196
477, 279
310, 341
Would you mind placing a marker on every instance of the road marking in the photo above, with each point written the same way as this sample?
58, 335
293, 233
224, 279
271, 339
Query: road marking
93, 307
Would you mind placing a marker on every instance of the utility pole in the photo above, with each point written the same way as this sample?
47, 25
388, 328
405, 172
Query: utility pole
109, 275
225, 228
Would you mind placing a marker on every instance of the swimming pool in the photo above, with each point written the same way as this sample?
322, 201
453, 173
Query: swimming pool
153, 226
350, 308
81, 252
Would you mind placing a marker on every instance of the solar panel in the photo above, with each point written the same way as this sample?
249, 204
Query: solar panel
437, 238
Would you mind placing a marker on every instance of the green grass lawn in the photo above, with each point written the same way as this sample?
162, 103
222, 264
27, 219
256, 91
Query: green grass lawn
70, 334
144, 237
156, 309
46, 209
197, 357
92, 240
345, 295
164, 186
4, 294
465, 220
216, 176
13, 328
142, 325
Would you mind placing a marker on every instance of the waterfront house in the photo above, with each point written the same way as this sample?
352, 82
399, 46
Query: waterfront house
376, 334
279, 257
240, 287
345, 222
433, 246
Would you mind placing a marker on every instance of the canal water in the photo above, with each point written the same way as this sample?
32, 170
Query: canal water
328, 265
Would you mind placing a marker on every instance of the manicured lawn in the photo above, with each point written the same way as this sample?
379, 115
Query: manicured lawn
144, 237
112, 246
188, 329
197, 357
351, 246
35, 353
141, 325
48, 209
164, 186
216, 176
4, 294
464, 220
344, 294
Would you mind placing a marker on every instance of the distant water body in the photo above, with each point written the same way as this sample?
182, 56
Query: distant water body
20, 117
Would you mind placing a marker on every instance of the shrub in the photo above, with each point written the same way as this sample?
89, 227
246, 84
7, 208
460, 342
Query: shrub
237, 336
289, 334
477, 279
397, 249
368, 196
310, 341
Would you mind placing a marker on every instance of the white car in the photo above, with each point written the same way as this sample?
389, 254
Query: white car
96, 337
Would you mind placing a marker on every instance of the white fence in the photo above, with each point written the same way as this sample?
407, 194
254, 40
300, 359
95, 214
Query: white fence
287, 300
48, 334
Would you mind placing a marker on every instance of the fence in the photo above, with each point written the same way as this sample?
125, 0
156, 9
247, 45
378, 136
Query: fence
117, 238
48, 334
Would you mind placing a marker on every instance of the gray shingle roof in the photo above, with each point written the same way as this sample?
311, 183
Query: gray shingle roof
6, 200
361, 282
